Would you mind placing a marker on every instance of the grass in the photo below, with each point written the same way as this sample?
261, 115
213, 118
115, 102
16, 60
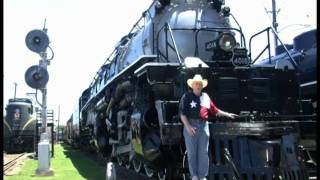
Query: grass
67, 164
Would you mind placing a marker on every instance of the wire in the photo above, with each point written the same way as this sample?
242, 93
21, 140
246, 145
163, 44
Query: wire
37, 98
52, 53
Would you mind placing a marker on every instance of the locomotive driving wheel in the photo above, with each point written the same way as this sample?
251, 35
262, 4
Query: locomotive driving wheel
136, 165
127, 163
120, 160
149, 171
162, 174
124, 161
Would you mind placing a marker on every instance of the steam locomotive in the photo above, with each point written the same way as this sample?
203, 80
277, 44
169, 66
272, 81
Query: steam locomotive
303, 51
19, 126
129, 113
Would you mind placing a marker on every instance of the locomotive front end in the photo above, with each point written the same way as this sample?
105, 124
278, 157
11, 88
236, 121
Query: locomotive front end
19, 126
196, 38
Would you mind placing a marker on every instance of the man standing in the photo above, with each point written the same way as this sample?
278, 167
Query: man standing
195, 108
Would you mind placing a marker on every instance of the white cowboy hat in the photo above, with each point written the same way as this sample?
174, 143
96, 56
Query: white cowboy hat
198, 78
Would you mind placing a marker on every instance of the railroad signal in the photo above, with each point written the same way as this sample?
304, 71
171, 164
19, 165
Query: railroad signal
37, 40
36, 77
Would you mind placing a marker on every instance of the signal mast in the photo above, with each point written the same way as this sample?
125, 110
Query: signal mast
37, 77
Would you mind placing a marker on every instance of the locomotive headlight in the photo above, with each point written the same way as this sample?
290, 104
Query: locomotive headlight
227, 42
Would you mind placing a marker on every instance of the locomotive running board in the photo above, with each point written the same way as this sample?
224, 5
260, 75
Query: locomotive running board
129, 69
309, 87
143, 68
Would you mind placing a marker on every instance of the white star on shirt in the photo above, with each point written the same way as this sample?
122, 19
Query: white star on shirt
193, 104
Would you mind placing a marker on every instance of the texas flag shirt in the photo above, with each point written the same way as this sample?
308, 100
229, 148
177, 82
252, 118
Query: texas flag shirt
197, 107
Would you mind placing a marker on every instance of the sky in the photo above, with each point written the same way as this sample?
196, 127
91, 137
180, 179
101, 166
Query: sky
83, 33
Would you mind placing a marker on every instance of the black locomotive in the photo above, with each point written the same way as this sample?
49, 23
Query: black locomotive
19, 126
129, 113
304, 53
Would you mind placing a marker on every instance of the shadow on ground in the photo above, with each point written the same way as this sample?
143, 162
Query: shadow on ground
89, 168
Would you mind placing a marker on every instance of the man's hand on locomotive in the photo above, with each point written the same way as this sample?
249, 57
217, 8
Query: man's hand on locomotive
232, 116
227, 114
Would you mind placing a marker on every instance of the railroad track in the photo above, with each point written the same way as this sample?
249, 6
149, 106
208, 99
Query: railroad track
11, 163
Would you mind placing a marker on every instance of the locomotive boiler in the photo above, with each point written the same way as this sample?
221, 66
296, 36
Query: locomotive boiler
129, 113
19, 126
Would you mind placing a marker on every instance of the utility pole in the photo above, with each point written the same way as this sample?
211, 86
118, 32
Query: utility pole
274, 21
15, 90
58, 123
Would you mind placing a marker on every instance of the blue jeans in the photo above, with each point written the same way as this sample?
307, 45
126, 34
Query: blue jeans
197, 148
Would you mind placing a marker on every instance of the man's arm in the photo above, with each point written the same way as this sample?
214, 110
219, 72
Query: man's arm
219, 112
191, 130
226, 114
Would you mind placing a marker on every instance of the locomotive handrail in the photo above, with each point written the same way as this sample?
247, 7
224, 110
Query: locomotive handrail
235, 20
143, 15
286, 49
131, 31
294, 64
175, 49
140, 60
215, 29
296, 67
268, 45
218, 29
174, 43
